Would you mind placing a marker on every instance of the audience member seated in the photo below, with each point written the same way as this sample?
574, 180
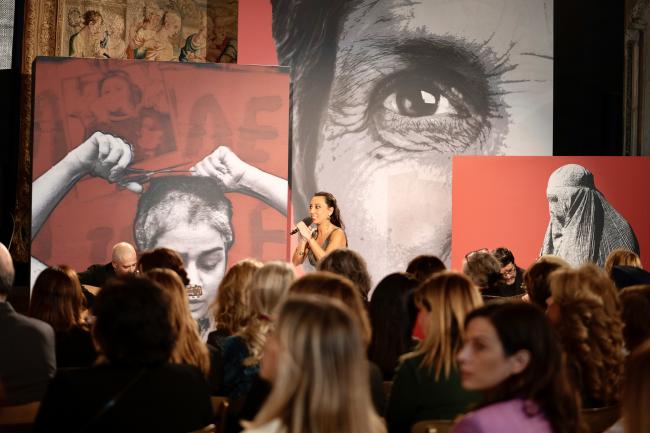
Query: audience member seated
635, 313
511, 354
315, 360
512, 276
427, 383
136, 389
57, 300
164, 258
389, 320
424, 266
485, 271
28, 359
123, 262
349, 264
536, 279
338, 287
621, 257
230, 308
188, 349
590, 333
242, 352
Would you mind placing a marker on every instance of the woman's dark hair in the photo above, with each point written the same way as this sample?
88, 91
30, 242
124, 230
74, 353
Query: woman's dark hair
132, 324
422, 267
536, 281
330, 200
57, 298
165, 258
504, 256
545, 381
349, 264
389, 319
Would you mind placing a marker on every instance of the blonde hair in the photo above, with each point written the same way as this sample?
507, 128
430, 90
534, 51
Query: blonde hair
189, 349
590, 333
636, 391
322, 386
335, 286
268, 287
230, 308
622, 257
447, 297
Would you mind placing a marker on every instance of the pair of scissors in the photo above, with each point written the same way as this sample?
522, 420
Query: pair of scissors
141, 175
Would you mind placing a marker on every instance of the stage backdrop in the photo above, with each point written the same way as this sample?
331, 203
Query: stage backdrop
92, 118
502, 201
385, 92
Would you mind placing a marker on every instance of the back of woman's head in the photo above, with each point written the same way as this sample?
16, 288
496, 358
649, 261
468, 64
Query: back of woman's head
269, 286
231, 307
163, 258
621, 257
349, 264
636, 391
522, 327
57, 298
635, 311
132, 324
590, 333
483, 269
536, 279
189, 348
338, 287
424, 266
446, 298
390, 321
321, 384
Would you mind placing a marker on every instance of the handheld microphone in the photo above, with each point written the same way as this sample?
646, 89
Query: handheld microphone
306, 221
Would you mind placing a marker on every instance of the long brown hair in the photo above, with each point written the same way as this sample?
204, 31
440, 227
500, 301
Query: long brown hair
189, 349
330, 200
231, 308
322, 386
268, 288
447, 297
57, 298
521, 326
591, 333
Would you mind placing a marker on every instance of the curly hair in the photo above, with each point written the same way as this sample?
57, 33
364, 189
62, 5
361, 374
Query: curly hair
591, 335
231, 308
268, 288
536, 278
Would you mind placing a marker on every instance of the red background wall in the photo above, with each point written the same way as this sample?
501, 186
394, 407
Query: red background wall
501, 201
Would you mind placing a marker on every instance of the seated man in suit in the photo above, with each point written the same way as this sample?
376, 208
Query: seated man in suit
123, 261
27, 362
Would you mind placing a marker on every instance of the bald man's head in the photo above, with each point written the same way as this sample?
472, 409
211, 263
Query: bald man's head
124, 258
6, 272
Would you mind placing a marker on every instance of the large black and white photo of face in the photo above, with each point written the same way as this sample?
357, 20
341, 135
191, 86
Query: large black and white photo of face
583, 226
387, 91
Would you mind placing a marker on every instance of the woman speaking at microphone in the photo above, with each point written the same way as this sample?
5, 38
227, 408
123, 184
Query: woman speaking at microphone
329, 234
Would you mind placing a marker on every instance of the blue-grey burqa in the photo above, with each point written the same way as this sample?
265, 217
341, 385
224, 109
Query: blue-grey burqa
583, 226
